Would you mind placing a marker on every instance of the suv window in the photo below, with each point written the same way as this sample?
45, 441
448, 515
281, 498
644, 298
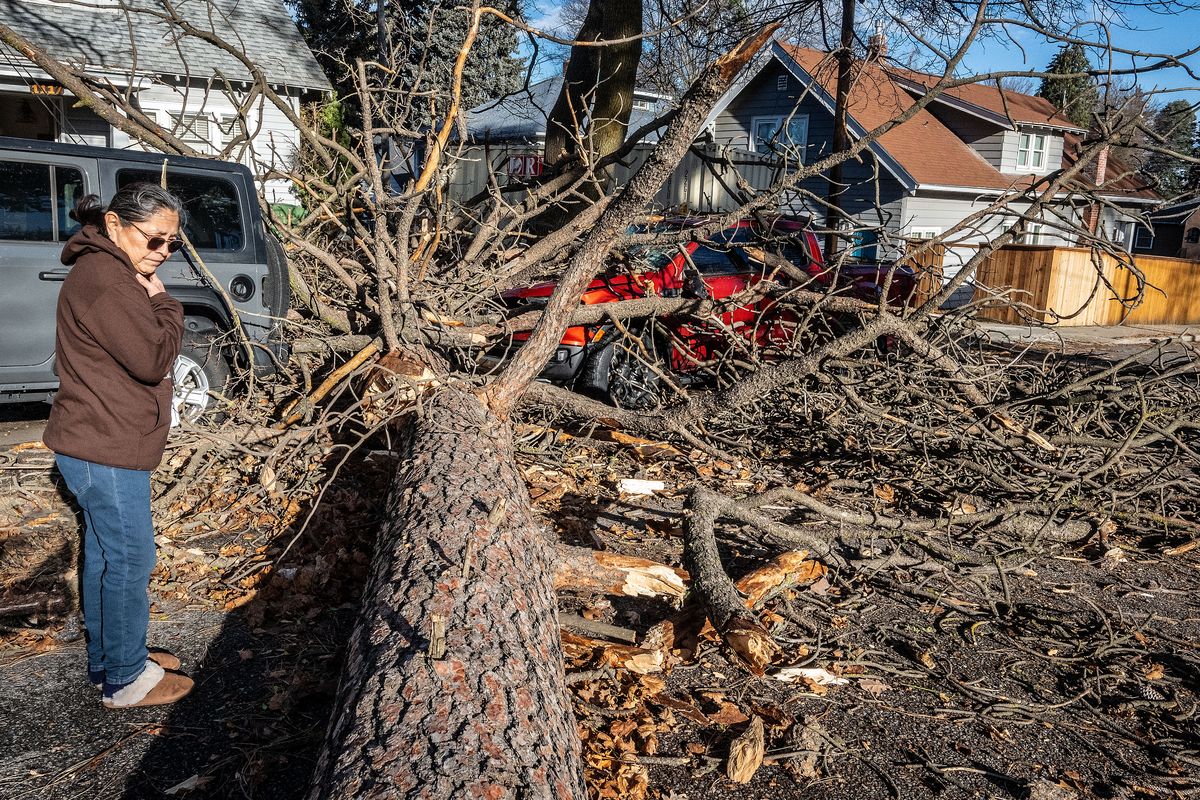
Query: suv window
214, 217
711, 261
68, 188
29, 211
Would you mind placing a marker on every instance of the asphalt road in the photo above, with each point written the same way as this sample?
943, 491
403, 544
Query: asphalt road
22, 422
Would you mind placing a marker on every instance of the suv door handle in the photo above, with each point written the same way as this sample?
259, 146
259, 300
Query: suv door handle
54, 275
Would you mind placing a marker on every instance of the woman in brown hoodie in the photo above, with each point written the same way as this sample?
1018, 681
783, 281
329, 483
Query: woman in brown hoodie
118, 335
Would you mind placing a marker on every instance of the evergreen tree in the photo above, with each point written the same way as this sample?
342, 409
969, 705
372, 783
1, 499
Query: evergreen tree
1075, 96
419, 40
1175, 129
338, 32
426, 36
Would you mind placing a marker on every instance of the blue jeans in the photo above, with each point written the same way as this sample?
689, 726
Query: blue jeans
118, 556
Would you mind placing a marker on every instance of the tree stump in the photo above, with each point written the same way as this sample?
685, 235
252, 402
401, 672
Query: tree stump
453, 685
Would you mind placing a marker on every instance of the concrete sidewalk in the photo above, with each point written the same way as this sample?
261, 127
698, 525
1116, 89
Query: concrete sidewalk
1088, 337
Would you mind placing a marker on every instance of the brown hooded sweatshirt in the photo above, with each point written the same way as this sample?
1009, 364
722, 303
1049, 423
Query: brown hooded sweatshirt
114, 350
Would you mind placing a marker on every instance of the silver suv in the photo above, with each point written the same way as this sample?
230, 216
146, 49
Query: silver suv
40, 183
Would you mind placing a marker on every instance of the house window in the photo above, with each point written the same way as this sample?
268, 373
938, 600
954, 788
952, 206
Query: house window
641, 104
1120, 233
1031, 151
781, 83
229, 128
924, 233
769, 134
1143, 238
1033, 234
1192, 236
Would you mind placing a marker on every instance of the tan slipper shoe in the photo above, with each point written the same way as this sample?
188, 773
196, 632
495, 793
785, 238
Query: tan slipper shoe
164, 658
154, 687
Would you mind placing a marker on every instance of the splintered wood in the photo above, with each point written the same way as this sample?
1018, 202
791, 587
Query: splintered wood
785, 570
616, 574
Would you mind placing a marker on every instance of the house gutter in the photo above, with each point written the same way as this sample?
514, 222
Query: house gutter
979, 191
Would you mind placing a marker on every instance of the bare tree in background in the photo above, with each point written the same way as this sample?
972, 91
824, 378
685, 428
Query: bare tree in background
454, 683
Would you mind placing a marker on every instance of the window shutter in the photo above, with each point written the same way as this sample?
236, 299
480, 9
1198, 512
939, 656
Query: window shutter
194, 129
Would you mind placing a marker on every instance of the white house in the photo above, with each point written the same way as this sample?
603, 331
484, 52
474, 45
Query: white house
187, 85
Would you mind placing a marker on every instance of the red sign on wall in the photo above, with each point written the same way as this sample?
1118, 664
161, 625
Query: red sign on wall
524, 166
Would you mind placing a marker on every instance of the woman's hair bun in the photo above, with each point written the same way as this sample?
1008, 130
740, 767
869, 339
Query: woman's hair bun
89, 211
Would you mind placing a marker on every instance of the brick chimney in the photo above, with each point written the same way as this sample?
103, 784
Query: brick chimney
1099, 172
1101, 166
877, 43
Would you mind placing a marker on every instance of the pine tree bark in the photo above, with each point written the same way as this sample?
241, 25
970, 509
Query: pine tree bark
453, 685
598, 83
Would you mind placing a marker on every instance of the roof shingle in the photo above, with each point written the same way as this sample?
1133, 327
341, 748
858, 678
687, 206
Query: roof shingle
926, 148
124, 39
930, 151
1019, 108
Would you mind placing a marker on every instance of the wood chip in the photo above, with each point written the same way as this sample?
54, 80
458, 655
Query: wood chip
638, 486
746, 753
817, 675
728, 714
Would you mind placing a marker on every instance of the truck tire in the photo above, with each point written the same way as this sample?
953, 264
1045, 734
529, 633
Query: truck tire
201, 374
632, 383
277, 291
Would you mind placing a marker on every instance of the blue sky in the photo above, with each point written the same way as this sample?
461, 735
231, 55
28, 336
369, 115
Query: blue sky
1137, 28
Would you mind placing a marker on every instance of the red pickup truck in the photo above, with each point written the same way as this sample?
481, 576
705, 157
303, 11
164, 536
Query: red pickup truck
593, 359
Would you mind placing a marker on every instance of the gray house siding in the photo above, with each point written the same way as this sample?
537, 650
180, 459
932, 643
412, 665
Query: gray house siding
991, 147
873, 195
967, 127
762, 97
702, 181
82, 126
938, 212
996, 144
1054, 151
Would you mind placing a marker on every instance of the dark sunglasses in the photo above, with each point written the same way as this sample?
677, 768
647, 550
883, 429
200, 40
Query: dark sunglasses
156, 242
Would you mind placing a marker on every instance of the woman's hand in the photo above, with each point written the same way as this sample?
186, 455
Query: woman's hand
152, 284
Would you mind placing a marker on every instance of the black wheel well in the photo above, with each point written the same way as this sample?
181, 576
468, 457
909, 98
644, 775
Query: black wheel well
200, 320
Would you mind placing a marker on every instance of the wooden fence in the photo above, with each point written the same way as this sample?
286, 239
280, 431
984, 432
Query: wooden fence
1077, 286
928, 266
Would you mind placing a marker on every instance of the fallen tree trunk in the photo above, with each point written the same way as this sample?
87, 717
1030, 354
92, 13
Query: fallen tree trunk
453, 684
